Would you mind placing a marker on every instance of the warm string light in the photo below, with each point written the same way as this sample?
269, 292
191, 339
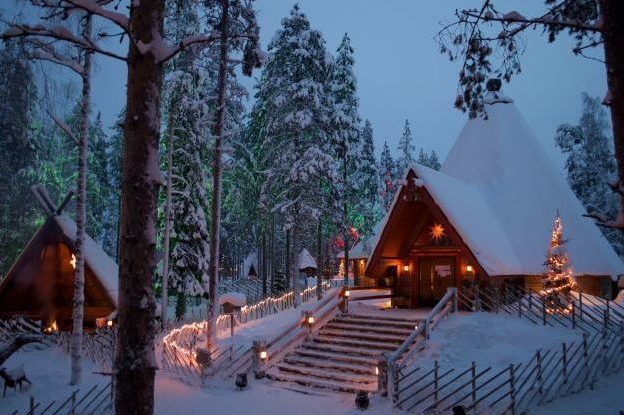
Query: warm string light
559, 278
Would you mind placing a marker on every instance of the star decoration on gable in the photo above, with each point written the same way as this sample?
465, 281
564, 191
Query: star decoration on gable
437, 231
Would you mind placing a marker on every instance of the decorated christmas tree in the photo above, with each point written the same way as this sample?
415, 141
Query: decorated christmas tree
558, 278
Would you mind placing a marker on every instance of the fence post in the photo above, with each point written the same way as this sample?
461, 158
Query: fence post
586, 361
455, 305
436, 372
473, 372
393, 381
573, 315
564, 362
543, 310
512, 386
426, 330
477, 305
520, 306
31, 410
382, 375
605, 319
73, 403
540, 379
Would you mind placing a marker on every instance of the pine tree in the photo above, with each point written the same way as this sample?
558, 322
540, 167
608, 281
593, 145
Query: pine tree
114, 150
428, 160
434, 161
187, 112
19, 152
299, 127
406, 149
558, 278
368, 207
590, 165
387, 177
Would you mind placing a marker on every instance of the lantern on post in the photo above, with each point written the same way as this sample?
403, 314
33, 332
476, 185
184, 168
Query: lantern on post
259, 358
346, 294
308, 321
203, 357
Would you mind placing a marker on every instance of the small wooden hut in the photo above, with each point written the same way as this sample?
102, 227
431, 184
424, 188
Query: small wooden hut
40, 284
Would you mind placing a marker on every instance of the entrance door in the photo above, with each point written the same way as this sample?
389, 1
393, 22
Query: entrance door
435, 276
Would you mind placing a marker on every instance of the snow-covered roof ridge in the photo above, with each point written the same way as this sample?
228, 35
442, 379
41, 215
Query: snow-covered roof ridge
104, 268
306, 260
502, 160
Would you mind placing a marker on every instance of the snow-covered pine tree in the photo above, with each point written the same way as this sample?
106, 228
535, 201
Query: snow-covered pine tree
187, 112
299, 126
429, 160
368, 207
18, 149
349, 145
406, 149
590, 165
558, 279
387, 177
112, 210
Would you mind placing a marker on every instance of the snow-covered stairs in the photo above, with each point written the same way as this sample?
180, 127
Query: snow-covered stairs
343, 355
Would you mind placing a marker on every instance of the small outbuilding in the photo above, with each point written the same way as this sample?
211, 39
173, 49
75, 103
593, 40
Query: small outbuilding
40, 284
307, 263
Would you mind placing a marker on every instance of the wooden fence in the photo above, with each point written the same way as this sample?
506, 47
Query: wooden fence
515, 389
96, 401
180, 345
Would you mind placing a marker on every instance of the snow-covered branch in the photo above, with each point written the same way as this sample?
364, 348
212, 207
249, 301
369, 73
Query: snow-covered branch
165, 53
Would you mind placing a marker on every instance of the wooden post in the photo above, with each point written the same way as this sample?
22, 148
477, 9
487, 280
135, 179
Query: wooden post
586, 359
543, 310
605, 319
477, 305
31, 410
573, 315
540, 379
382, 375
512, 386
257, 364
436, 372
564, 362
73, 404
392, 383
520, 306
473, 372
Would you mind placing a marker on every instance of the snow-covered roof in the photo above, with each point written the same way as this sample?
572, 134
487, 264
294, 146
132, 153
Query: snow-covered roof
234, 298
501, 192
306, 260
251, 260
103, 266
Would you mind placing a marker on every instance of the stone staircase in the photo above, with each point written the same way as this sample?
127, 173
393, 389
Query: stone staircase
343, 355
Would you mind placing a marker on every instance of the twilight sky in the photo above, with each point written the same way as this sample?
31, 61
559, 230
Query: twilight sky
401, 74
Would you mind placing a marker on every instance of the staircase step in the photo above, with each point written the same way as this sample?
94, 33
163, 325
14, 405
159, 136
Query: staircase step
349, 387
369, 329
336, 357
375, 322
374, 354
332, 375
344, 341
381, 317
330, 364
352, 334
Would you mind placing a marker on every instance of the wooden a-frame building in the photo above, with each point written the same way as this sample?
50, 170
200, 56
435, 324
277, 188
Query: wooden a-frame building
40, 284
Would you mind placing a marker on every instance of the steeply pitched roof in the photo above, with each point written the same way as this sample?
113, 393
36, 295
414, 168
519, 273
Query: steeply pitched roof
501, 192
104, 268
306, 260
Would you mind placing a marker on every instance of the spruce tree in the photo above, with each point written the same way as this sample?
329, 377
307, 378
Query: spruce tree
558, 278
406, 149
368, 206
590, 165
387, 177
299, 126
19, 152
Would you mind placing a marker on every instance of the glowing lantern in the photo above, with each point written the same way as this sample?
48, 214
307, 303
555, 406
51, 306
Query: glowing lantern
469, 268
310, 320
72, 261
264, 355
347, 294
405, 268
109, 323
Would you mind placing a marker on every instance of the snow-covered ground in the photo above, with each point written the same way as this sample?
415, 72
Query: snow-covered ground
488, 339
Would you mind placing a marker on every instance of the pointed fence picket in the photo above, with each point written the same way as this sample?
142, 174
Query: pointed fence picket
98, 400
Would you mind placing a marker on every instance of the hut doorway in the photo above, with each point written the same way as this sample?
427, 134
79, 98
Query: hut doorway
435, 276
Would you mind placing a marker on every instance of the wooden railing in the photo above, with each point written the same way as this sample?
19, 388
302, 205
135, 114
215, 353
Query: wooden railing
96, 401
392, 365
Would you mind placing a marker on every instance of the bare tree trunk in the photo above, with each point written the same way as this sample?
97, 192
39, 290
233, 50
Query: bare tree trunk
319, 259
346, 219
81, 216
135, 362
219, 125
613, 37
294, 262
164, 300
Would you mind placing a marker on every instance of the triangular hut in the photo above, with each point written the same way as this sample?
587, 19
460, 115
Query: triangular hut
307, 263
39, 285
486, 217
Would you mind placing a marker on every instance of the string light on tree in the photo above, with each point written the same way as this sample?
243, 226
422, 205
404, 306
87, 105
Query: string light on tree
558, 277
